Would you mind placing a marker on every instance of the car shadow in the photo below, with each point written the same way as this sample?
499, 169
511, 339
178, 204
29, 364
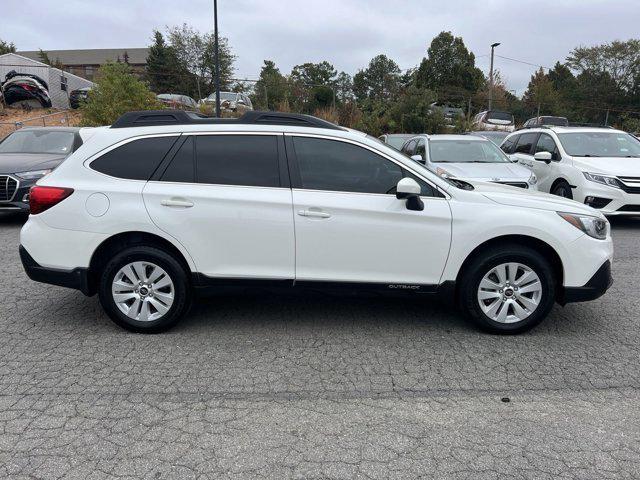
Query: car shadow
13, 218
624, 223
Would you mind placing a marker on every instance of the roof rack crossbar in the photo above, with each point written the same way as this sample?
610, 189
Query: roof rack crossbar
180, 117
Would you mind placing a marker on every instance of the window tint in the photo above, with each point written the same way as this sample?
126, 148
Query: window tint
136, 160
547, 144
339, 166
509, 144
525, 142
426, 190
250, 160
181, 167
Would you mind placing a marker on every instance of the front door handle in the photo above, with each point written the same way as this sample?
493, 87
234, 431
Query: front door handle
176, 202
313, 213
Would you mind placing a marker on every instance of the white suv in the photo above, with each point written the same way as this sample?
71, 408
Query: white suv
162, 205
596, 166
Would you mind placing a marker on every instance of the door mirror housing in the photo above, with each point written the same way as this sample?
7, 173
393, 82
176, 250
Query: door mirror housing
418, 158
543, 157
409, 190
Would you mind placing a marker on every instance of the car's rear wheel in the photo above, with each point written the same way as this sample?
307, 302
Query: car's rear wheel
508, 290
144, 289
563, 189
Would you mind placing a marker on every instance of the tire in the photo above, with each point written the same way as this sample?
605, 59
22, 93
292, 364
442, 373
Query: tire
167, 301
563, 189
486, 267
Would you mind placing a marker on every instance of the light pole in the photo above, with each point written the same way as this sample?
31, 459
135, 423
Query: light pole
493, 45
217, 57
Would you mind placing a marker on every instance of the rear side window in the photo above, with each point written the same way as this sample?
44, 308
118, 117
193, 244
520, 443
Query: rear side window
136, 160
248, 160
525, 143
181, 168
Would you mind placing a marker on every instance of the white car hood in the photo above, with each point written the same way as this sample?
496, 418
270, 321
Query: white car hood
616, 166
518, 197
495, 172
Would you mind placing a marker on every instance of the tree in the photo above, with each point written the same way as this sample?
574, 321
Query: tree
44, 58
312, 86
117, 91
271, 88
314, 74
6, 47
196, 52
164, 72
541, 94
449, 67
621, 60
380, 80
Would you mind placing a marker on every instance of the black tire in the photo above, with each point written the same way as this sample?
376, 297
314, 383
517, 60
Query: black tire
172, 267
563, 189
481, 265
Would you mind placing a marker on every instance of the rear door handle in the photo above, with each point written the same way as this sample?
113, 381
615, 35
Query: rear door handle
313, 213
176, 202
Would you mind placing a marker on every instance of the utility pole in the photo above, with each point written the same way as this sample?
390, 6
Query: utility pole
217, 57
606, 119
493, 45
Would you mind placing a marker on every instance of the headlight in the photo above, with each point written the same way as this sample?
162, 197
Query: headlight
533, 179
33, 174
603, 179
595, 227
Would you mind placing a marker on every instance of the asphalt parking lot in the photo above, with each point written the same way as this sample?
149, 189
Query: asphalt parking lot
261, 386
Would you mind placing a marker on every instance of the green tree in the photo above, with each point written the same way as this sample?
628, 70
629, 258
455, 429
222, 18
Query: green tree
449, 67
541, 94
6, 47
380, 80
44, 58
312, 86
313, 74
117, 91
164, 72
271, 88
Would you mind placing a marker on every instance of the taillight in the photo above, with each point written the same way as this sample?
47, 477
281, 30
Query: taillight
43, 198
26, 86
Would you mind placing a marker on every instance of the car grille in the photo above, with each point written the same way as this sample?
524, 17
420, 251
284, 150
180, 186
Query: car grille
630, 184
8, 187
515, 184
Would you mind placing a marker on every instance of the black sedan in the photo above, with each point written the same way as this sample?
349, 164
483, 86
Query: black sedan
29, 154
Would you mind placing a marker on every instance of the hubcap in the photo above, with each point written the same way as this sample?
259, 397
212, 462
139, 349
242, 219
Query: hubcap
509, 292
143, 291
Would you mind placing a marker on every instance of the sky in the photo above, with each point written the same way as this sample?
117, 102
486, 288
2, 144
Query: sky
347, 33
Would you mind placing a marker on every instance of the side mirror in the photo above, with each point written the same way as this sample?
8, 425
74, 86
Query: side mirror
409, 189
543, 157
513, 158
418, 158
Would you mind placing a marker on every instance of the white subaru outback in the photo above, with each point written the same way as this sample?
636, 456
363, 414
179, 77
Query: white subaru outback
162, 205
599, 167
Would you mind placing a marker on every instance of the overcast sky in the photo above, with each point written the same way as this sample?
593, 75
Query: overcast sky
347, 33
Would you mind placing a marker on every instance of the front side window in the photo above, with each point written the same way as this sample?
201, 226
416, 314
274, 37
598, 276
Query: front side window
343, 167
136, 160
248, 160
600, 144
525, 143
409, 148
509, 144
547, 144
421, 149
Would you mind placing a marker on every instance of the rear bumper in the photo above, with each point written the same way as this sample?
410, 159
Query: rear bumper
594, 288
78, 278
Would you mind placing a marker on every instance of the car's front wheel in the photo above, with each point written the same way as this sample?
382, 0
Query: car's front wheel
508, 290
144, 289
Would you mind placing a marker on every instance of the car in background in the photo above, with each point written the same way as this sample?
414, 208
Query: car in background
395, 140
496, 136
180, 102
494, 120
78, 97
467, 157
230, 102
29, 154
546, 120
596, 166
451, 114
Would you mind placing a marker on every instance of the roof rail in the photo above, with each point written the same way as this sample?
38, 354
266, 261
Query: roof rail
148, 118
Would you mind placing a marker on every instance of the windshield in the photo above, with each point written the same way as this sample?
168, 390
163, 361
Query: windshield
496, 137
600, 144
396, 141
559, 121
230, 96
465, 151
38, 141
500, 116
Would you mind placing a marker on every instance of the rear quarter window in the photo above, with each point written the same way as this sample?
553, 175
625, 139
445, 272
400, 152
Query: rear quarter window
135, 160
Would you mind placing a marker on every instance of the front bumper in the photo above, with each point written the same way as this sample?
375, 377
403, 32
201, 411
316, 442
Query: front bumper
619, 202
78, 278
594, 288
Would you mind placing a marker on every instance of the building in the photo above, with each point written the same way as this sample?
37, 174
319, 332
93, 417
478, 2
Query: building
61, 83
85, 63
